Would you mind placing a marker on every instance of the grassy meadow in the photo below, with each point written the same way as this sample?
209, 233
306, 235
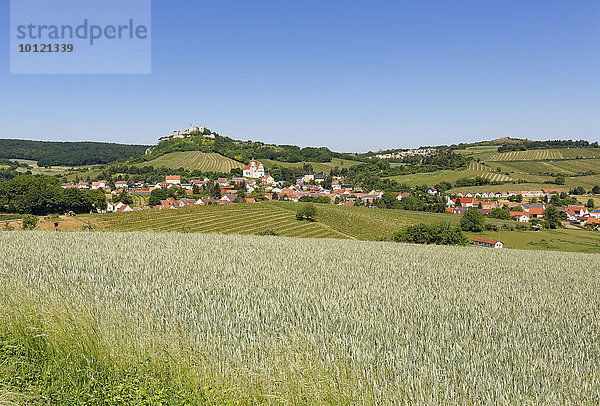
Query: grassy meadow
143, 318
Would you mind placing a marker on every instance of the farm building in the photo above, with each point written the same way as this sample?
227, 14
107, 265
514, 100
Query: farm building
486, 242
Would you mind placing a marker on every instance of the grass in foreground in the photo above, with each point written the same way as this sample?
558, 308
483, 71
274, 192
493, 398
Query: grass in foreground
138, 318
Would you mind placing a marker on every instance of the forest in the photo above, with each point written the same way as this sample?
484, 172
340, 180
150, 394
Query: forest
68, 153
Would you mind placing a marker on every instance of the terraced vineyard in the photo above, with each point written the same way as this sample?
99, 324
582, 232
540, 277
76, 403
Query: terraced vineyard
541, 154
231, 219
568, 167
367, 223
195, 160
486, 172
531, 155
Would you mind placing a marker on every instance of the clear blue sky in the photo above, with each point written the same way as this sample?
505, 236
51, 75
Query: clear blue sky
353, 76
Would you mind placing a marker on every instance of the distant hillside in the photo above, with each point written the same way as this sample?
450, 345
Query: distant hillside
68, 153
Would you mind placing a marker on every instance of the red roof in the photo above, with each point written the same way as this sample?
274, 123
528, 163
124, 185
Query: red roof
485, 240
536, 210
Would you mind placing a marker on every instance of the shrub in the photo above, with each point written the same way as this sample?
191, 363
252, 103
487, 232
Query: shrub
551, 217
29, 222
267, 231
437, 233
306, 212
472, 220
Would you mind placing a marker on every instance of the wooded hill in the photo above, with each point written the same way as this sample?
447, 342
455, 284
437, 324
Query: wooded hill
47, 153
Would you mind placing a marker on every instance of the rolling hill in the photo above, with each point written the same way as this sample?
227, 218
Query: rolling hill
231, 219
533, 169
332, 221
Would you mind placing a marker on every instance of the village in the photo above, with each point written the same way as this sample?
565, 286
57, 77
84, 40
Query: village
256, 184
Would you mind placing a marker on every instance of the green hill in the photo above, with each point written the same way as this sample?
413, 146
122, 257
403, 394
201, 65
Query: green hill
68, 153
534, 169
194, 160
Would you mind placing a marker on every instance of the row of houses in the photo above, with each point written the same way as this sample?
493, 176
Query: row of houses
523, 212
499, 195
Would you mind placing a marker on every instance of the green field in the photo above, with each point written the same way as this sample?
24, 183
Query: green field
4, 217
566, 167
532, 167
547, 240
36, 170
318, 167
368, 223
332, 221
183, 319
546, 154
230, 219
431, 178
194, 160
587, 182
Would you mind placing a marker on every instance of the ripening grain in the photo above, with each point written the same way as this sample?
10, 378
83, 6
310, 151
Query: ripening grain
276, 320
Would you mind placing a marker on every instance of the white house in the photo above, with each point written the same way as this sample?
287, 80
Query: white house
117, 207
486, 242
101, 184
254, 170
229, 198
268, 179
173, 180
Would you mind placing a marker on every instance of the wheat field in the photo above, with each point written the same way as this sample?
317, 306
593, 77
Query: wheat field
272, 320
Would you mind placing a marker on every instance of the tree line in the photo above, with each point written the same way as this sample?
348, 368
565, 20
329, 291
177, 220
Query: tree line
526, 144
42, 195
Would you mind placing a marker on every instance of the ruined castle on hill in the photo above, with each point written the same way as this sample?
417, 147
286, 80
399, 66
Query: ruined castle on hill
193, 130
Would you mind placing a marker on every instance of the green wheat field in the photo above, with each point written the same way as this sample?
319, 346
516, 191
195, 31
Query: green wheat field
173, 318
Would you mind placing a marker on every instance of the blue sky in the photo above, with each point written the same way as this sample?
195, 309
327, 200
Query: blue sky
353, 76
